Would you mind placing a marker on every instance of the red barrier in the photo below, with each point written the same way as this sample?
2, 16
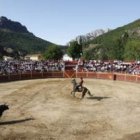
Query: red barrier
71, 74
4, 78
81, 74
127, 77
138, 78
36, 75
131, 78
91, 75
54, 74
107, 76
120, 77
26, 76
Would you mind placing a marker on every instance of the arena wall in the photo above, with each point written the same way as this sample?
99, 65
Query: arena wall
71, 74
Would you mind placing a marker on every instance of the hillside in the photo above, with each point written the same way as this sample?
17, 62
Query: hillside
121, 43
16, 36
90, 36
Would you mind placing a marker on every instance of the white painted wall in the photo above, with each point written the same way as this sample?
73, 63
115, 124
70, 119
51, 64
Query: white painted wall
67, 58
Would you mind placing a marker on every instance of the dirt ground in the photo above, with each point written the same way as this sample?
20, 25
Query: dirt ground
44, 109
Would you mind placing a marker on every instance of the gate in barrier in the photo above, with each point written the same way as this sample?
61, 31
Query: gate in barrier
69, 74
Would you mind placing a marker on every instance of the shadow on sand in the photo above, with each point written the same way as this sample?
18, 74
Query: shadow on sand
97, 98
16, 121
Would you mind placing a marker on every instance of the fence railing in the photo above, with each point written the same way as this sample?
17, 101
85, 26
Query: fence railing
71, 74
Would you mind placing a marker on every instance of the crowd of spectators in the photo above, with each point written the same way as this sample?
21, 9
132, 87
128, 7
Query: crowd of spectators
26, 66
109, 66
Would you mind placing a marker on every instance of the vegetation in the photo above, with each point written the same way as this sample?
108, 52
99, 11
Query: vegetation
122, 43
75, 50
53, 52
132, 50
15, 36
24, 41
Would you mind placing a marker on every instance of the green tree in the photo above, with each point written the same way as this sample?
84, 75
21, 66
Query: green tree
132, 50
53, 53
94, 52
75, 50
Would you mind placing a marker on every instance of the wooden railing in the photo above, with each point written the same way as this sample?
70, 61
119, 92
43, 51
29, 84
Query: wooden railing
71, 74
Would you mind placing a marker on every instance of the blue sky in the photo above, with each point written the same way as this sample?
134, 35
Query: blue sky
60, 21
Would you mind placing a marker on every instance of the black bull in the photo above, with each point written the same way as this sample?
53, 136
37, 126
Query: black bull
3, 108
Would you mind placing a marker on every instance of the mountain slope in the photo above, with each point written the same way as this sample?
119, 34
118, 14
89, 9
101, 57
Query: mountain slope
7, 24
117, 44
90, 36
16, 36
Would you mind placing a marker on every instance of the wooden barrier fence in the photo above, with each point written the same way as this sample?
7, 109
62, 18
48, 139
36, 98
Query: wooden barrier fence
71, 74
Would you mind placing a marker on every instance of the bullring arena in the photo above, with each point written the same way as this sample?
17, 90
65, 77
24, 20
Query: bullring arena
44, 109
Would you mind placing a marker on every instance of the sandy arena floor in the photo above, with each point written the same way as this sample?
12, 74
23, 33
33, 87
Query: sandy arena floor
45, 110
